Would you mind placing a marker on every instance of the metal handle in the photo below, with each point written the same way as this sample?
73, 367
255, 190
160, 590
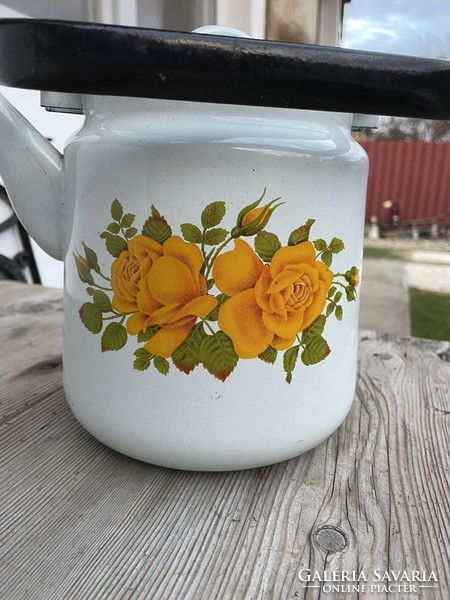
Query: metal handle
67, 56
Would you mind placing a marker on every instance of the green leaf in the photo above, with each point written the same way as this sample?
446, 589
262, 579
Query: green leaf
327, 258
187, 356
315, 329
101, 300
218, 356
130, 232
266, 244
213, 214
214, 314
145, 336
91, 258
315, 352
161, 364
156, 227
91, 317
114, 337
191, 233
127, 220
336, 245
289, 361
350, 293
113, 228
269, 355
142, 360
115, 244
210, 283
215, 236
338, 297
301, 234
330, 309
116, 210
331, 291
83, 270
339, 313
320, 245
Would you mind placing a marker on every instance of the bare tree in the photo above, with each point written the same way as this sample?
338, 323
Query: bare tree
412, 130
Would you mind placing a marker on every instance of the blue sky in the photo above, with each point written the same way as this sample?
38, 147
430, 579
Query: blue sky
417, 27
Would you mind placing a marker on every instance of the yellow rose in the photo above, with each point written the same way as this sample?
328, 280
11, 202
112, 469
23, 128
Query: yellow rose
269, 304
166, 288
129, 268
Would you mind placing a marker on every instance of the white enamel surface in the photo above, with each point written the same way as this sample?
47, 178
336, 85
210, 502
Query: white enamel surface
180, 157
32, 170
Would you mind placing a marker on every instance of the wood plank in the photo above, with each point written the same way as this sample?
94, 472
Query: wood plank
78, 520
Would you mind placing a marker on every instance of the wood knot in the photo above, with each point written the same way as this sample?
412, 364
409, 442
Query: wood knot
445, 355
383, 355
331, 538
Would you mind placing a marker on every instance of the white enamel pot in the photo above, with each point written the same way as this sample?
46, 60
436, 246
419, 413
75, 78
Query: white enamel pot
212, 256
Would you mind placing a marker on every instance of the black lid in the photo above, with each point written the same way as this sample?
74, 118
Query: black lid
89, 58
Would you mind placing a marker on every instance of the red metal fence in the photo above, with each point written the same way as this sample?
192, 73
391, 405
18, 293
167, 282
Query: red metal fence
414, 174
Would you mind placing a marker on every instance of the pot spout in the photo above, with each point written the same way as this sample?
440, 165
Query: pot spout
32, 171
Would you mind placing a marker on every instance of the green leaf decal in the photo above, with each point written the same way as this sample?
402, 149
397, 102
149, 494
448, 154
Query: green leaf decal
327, 258
315, 329
142, 360
213, 214
161, 364
215, 236
187, 356
330, 309
339, 313
315, 351
269, 355
191, 233
83, 270
289, 361
331, 291
116, 210
130, 233
320, 245
91, 258
101, 300
336, 245
115, 244
145, 336
350, 293
214, 314
301, 234
218, 356
156, 227
266, 244
91, 317
127, 220
114, 337
113, 228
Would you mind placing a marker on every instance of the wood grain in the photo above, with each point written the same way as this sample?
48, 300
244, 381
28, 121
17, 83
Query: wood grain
78, 520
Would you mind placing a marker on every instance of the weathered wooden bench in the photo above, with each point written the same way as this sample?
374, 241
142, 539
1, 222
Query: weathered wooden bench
80, 521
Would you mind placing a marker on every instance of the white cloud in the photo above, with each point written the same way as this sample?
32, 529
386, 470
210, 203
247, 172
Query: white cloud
403, 26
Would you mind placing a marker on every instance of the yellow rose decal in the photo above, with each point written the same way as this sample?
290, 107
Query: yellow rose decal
128, 271
269, 304
191, 300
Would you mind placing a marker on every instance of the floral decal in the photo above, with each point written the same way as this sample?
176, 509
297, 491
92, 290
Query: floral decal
208, 297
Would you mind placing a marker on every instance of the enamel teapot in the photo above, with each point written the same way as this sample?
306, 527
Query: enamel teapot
210, 215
